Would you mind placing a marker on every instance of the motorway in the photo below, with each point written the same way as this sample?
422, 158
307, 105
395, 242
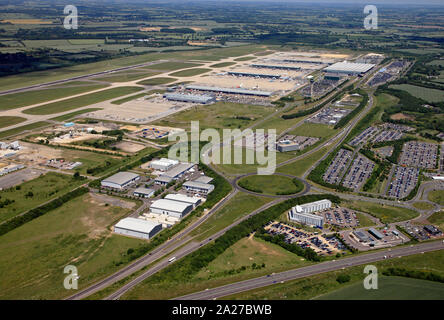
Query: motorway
312, 270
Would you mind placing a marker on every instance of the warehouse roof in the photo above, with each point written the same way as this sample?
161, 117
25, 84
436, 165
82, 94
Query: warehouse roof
170, 205
121, 178
136, 224
164, 162
316, 202
188, 97
144, 191
194, 184
204, 179
178, 170
230, 90
163, 178
349, 67
183, 198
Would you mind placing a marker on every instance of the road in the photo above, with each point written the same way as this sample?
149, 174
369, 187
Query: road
161, 251
312, 270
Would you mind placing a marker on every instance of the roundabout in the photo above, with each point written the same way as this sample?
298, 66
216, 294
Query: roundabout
277, 185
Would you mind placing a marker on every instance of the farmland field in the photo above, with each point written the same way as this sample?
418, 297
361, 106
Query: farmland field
427, 94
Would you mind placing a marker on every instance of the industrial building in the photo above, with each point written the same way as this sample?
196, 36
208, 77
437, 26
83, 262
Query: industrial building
120, 180
313, 206
11, 168
199, 187
276, 66
143, 192
163, 180
375, 233
177, 171
204, 179
361, 236
171, 208
305, 218
230, 90
194, 98
295, 143
195, 201
137, 228
349, 68
163, 164
254, 75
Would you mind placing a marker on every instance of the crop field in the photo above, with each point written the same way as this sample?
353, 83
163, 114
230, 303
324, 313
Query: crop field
390, 288
18, 130
189, 72
156, 81
82, 101
6, 121
271, 184
23, 99
34, 192
387, 214
427, 94
35, 254
240, 205
325, 283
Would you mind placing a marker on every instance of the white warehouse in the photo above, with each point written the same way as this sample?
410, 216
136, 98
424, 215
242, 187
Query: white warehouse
313, 206
137, 228
120, 180
171, 208
195, 201
163, 164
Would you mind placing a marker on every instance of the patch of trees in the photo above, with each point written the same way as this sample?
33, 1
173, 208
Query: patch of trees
39, 211
306, 38
344, 120
415, 274
177, 30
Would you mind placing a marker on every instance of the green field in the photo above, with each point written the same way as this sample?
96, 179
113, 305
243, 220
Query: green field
156, 81
222, 64
219, 115
423, 205
299, 167
427, 94
318, 285
189, 72
436, 196
35, 192
22, 99
387, 214
244, 58
240, 205
271, 184
390, 288
18, 130
74, 114
35, 254
6, 121
82, 101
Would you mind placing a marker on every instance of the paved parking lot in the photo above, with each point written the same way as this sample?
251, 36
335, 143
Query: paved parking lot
364, 136
18, 177
360, 171
388, 135
403, 181
321, 244
341, 217
419, 154
336, 170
